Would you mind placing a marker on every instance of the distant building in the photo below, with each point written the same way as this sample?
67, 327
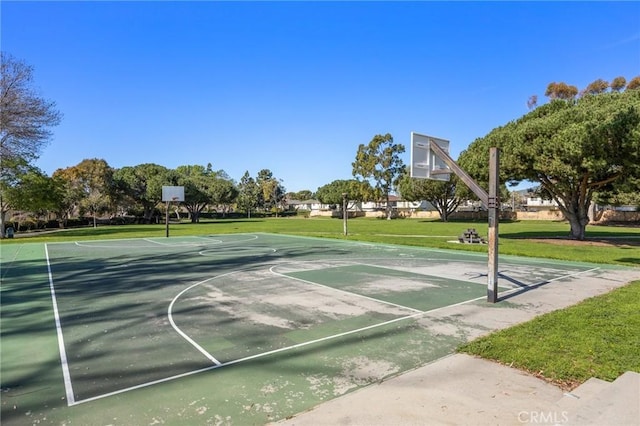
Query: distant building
533, 203
308, 205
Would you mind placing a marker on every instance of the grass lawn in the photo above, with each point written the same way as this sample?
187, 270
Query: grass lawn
599, 337
605, 244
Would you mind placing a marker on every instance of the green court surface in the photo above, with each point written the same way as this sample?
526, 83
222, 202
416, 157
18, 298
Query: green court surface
229, 329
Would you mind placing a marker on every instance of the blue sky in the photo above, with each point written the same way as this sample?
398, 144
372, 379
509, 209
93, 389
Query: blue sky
295, 87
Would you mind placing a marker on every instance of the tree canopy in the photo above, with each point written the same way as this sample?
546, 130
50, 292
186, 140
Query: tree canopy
356, 190
305, 194
248, 193
572, 148
199, 187
142, 185
441, 194
25, 122
271, 192
25, 117
380, 161
561, 91
89, 184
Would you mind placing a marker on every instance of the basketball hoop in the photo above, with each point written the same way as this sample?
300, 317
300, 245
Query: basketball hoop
430, 160
425, 163
172, 193
169, 194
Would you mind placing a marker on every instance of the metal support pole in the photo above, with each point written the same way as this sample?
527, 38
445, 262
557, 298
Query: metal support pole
166, 219
493, 207
344, 213
491, 200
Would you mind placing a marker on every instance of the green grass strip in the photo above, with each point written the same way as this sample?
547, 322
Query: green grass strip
516, 238
599, 337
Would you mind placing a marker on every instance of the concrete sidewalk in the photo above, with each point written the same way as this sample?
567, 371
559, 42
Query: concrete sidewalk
463, 390
457, 390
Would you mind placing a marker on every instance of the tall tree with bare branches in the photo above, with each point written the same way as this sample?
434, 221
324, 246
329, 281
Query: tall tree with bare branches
25, 126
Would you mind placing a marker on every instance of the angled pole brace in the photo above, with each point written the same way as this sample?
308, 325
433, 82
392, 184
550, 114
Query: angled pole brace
491, 202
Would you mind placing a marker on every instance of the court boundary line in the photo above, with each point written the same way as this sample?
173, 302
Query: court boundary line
362, 296
68, 386
451, 252
272, 352
149, 240
255, 237
454, 252
5, 269
447, 278
253, 251
69, 389
142, 238
299, 345
210, 239
179, 330
101, 244
528, 287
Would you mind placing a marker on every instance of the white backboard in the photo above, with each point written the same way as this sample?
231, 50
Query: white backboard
424, 162
172, 193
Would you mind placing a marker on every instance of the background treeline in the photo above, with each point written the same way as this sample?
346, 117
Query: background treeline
581, 147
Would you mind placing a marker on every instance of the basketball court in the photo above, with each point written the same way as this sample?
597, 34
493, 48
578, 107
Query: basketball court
239, 328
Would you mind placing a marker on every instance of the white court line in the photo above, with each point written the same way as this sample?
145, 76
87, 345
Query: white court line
525, 287
211, 240
134, 239
218, 364
343, 291
4, 269
63, 353
451, 252
252, 237
249, 251
182, 333
155, 242
275, 351
109, 246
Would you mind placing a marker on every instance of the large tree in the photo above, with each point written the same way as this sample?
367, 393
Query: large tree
142, 184
356, 191
25, 122
272, 192
618, 83
596, 87
197, 181
25, 117
572, 148
380, 160
303, 195
248, 195
91, 184
37, 192
27, 188
441, 194
625, 193
223, 194
561, 91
